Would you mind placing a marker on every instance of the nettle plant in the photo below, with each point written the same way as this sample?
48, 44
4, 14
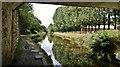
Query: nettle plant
104, 44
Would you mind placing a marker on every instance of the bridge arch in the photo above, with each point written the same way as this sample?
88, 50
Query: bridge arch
10, 30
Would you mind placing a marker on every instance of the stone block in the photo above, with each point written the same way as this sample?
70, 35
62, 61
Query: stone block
38, 57
34, 51
40, 53
32, 47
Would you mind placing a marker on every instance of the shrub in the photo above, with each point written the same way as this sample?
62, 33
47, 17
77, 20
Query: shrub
104, 45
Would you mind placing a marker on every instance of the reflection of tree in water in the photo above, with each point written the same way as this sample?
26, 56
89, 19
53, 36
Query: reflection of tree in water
50, 37
68, 55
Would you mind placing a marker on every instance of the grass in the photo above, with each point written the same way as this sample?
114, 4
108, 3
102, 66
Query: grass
71, 34
82, 39
78, 42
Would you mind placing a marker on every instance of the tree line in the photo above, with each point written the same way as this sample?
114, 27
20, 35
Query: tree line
71, 18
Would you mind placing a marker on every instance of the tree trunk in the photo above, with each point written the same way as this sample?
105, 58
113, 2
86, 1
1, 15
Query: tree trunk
108, 21
104, 19
119, 15
99, 26
80, 30
115, 19
91, 28
95, 28
99, 20
88, 28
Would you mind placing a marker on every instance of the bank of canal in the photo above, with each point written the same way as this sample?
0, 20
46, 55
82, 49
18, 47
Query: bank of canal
63, 52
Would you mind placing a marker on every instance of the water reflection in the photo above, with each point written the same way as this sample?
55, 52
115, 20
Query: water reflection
66, 52
118, 55
47, 47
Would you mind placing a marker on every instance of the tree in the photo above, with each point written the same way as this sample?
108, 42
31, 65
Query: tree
70, 18
51, 28
27, 21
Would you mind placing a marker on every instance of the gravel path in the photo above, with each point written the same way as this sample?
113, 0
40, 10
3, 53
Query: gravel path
28, 54
27, 57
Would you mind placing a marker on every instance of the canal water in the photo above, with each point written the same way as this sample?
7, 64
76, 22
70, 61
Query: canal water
64, 53
47, 47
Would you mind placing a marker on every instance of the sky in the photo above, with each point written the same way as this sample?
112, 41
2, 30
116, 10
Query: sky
44, 12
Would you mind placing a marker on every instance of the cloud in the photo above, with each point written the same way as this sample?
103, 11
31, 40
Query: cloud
45, 12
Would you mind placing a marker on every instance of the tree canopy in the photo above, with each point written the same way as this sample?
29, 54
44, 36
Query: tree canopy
71, 18
28, 22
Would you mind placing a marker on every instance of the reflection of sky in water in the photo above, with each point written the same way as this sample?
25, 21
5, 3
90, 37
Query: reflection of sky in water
118, 55
47, 47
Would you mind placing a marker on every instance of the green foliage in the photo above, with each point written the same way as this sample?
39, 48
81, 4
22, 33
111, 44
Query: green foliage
38, 37
50, 37
66, 56
69, 53
51, 28
71, 18
68, 18
27, 21
104, 44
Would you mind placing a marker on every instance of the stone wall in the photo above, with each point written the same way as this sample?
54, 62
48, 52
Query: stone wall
15, 32
0, 33
10, 34
6, 36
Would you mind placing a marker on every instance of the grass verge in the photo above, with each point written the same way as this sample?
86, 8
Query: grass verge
81, 39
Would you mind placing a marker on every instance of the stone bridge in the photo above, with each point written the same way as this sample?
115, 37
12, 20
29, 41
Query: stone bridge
9, 30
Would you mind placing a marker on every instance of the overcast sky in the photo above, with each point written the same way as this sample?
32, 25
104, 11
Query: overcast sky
44, 12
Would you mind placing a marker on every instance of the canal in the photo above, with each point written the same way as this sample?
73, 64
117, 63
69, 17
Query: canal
62, 52
65, 53
47, 47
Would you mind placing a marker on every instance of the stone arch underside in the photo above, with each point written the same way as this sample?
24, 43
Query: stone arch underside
10, 28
